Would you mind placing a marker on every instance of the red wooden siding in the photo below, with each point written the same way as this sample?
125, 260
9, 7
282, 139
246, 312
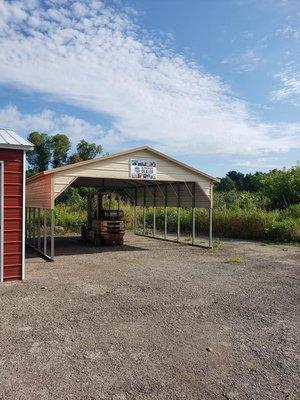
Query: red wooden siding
13, 204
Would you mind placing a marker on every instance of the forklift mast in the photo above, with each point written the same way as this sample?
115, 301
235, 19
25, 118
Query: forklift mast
103, 226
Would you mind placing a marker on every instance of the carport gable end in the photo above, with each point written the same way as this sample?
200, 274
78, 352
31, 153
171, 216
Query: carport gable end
114, 170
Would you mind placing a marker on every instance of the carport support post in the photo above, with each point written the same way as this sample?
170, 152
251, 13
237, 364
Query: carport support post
178, 212
26, 224
134, 211
45, 231
166, 211
193, 214
39, 228
52, 233
29, 225
144, 211
34, 230
154, 211
210, 227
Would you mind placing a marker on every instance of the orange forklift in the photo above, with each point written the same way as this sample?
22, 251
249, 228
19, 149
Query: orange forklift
103, 226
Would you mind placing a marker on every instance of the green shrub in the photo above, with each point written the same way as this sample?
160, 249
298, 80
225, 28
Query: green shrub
281, 187
69, 219
291, 211
287, 230
240, 200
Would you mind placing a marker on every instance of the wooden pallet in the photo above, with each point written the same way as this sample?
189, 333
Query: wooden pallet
103, 227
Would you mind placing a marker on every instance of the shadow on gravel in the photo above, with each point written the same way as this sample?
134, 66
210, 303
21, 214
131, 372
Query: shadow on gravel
70, 245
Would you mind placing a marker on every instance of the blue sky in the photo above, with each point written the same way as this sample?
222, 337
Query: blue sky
213, 83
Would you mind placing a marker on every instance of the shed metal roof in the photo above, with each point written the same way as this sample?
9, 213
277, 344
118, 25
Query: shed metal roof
11, 140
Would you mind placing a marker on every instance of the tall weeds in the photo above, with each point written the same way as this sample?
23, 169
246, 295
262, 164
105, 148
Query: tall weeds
240, 216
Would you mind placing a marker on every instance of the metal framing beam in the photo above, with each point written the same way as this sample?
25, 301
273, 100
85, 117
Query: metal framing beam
34, 226
134, 210
160, 189
144, 210
172, 241
45, 232
154, 211
39, 229
52, 233
193, 214
188, 189
210, 242
166, 212
178, 212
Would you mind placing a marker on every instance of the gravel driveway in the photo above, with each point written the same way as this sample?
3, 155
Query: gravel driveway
153, 320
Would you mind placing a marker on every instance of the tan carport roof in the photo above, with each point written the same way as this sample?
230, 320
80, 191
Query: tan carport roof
175, 181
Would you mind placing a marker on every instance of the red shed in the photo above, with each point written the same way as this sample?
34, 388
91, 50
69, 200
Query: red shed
12, 204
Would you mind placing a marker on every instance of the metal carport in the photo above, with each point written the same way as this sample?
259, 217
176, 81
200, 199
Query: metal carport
175, 184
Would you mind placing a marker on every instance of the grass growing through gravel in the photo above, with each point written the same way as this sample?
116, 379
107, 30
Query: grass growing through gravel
216, 244
235, 260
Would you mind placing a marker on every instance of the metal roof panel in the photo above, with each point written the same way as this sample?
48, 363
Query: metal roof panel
10, 139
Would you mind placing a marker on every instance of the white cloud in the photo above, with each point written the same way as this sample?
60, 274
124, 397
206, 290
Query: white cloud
289, 90
244, 62
50, 122
262, 163
289, 32
95, 57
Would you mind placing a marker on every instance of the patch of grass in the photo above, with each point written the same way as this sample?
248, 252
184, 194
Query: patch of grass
277, 243
187, 239
216, 243
235, 260
71, 220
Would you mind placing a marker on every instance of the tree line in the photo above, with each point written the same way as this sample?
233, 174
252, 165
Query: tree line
281, 188
54, 151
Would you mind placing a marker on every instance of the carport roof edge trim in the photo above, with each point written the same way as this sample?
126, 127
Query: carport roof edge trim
150, 149
9, 139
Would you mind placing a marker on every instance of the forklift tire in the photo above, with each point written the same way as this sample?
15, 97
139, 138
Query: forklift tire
98, 241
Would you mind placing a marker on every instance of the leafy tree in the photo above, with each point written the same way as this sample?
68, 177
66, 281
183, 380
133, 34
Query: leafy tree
255, 181
85, 151
60, 145
232, 181
74, 158
30, 172
39, 158
237, 178
238, 181
247, 183
226, 184
282, 187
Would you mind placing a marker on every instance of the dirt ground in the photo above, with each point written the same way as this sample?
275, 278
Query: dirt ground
153, 320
